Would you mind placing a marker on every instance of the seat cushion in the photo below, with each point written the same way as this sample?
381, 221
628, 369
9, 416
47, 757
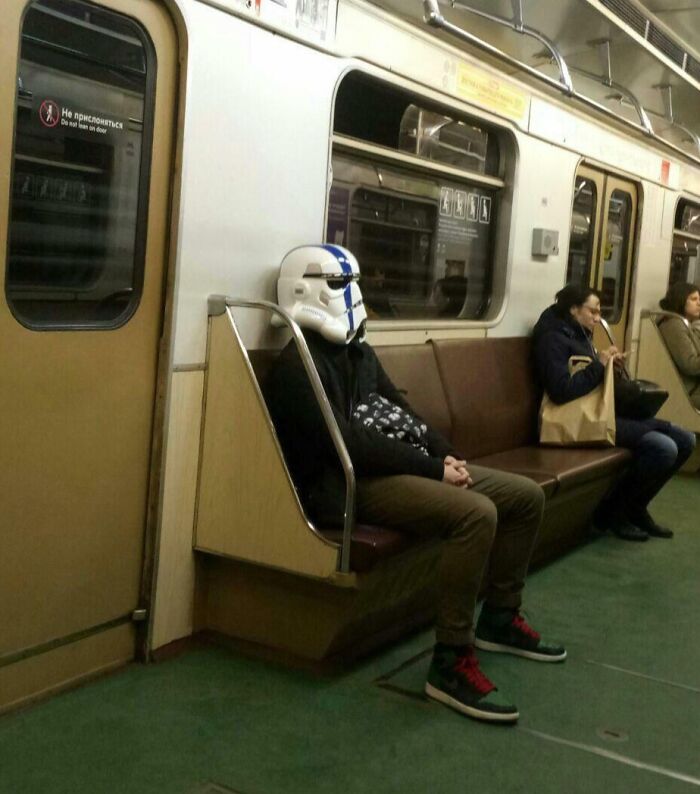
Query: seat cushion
569, 467
371, 544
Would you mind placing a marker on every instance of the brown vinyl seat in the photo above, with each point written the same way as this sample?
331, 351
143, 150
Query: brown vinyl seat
481, 395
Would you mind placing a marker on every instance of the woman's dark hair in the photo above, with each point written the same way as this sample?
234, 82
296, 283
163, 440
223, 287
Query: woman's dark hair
676, 297
572, 295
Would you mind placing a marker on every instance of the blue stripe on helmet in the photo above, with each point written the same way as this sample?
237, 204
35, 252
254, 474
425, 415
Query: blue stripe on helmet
340, 256
348, 303
346, 267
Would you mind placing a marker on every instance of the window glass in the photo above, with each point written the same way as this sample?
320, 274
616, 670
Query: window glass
372, 111
685, 255
582, 232
441, 138
615, 257
689, 220
424, 243
80, 169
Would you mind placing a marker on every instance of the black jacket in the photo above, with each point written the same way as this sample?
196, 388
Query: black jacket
555, 340
349, 374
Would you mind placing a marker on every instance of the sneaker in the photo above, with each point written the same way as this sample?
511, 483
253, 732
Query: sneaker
458, 682
512, 634
646, 523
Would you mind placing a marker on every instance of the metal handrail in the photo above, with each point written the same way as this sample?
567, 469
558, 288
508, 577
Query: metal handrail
518, 26
435, 18
655, 313
217, 305
604, 324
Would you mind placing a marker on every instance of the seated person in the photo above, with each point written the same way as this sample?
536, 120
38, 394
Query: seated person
659, 448
408, 477
684, 347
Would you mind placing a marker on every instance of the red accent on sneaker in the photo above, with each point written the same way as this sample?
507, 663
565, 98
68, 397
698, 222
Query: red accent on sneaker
468, 666
521, 625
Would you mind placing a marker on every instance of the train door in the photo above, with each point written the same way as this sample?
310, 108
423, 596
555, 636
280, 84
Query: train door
601, 246
87, 99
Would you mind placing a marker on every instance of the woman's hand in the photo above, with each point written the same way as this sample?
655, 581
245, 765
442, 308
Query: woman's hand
611, 353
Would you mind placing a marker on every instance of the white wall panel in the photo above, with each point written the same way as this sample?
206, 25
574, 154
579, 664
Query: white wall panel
257, 131
539, 202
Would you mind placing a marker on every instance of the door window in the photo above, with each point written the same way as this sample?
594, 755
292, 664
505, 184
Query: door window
83, 129
582, 231
615, 255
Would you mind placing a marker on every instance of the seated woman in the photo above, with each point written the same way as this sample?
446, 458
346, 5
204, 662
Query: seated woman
684, 347
659, 448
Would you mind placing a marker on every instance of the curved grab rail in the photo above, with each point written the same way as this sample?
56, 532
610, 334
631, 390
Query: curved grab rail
604, 325
434, 17
656, 313
217, 305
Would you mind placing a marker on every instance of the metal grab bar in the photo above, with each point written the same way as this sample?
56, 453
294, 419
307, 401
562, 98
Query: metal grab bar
657, 313
217, 305
435, 18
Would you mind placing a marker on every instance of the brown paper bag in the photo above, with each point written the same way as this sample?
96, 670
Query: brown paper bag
588, 421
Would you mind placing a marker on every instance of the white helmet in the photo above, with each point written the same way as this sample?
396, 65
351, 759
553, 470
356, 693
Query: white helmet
318, 286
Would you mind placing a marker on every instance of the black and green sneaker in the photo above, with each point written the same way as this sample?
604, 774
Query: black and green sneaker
507, 631
457, 681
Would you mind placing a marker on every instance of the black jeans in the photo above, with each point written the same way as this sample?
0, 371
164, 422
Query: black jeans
658, 453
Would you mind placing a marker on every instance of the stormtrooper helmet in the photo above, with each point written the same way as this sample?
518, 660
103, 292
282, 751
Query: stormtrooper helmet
318, 287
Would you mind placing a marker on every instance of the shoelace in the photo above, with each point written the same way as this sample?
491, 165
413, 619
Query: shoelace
468, 666
522, 625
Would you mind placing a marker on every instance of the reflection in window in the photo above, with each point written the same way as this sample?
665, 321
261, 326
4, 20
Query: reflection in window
424, 244
80, 170
582, 232
616, 247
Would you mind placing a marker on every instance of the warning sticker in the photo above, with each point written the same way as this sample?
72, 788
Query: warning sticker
485, 210
446, 194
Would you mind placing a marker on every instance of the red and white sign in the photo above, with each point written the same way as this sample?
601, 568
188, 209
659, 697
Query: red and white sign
49, 113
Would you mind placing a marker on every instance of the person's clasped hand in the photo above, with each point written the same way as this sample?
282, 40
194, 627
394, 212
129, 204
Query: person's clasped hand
455, 472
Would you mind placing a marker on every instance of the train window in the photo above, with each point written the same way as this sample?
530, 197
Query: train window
582, 231
80, 170
369, 110
685, 255
421, 218
615, 255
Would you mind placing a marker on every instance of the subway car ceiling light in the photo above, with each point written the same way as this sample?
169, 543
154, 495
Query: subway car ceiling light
597, 45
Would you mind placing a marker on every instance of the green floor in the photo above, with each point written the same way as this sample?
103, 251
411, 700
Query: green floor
621, 715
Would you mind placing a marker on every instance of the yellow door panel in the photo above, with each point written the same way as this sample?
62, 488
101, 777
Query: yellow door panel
84, 212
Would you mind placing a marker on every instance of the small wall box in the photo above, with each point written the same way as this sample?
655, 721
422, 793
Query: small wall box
545, 242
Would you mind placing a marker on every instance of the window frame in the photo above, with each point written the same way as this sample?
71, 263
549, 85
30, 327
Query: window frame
682, 202
498, 275
143, 184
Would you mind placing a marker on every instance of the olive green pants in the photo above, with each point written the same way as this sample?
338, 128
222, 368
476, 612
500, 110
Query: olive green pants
489, 530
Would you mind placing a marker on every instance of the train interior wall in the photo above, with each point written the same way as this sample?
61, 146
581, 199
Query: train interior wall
258, 187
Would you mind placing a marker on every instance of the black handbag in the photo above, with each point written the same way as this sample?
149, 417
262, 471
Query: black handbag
637, 399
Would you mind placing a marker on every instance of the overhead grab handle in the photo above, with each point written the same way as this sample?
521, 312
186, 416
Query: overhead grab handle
605, 56
434, 17
667, 94
516, 23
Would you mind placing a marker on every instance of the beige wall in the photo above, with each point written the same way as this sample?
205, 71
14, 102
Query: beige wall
175, 575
